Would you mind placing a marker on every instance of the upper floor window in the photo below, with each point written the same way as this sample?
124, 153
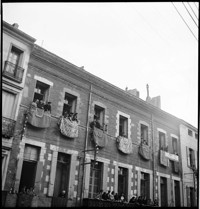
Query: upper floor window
161, 140
12, 65
191, 157
174, 145
196, 136
41, 91
99, 112
123, 126
144, 133
70, 103
190, 132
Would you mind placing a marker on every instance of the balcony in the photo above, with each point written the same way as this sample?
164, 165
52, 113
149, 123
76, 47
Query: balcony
8, 126
13, 72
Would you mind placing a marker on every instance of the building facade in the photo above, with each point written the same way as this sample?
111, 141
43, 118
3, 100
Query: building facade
189, 153
139, 148
16, 52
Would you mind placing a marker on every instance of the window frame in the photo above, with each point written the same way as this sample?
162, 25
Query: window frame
71, 100
144, 128
100, 113
123, 126
44, 92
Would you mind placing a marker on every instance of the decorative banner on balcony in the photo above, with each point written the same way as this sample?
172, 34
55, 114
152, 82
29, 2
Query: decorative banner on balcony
163, 159
99, 137
68, 128
38, 118
124, 144
144, 151
171, 156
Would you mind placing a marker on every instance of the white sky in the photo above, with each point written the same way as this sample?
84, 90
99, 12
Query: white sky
126, 44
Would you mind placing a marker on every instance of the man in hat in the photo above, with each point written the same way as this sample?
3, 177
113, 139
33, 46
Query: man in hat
95, 122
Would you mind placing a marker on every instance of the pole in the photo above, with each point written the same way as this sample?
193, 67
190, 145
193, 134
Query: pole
85, 145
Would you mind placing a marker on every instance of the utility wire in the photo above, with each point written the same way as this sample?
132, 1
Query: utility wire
190, 14
193, 11
185, 22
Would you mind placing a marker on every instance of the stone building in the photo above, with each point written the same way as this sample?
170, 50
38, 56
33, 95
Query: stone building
16, 52
139, 150
189, 137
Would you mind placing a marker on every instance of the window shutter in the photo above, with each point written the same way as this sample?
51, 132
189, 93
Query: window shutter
195, 158
188, 196
188, 157
38, 175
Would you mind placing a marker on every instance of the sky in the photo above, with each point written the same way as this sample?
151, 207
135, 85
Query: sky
126, 44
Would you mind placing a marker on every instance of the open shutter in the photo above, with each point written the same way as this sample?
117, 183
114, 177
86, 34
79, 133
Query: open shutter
38, 176
188, 157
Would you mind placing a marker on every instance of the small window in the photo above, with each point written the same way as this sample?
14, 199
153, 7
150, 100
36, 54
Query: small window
144, 134
41, 91
99, 112
70, 102
123, 126
196, 136
191, 157
162, 140
190, 132
174, 145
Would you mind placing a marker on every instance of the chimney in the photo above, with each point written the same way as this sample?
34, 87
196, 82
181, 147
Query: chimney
134, 92
15, 25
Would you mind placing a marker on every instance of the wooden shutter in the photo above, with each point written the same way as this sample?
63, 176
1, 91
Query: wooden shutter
188, 156
38, 175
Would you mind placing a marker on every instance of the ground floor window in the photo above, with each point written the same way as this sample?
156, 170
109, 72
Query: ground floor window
123, 181
177, 193
95, 184
62, 174
145, 185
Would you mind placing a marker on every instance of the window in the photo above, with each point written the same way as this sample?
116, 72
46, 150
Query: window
123, 126
145, 185
196, 136
95, 183
41, 91
70, 102
163, 191
144, 133
191, 157
174, 145
8, 104
12, 68
162, 140
62, 174
122, 181
99, 112
28, 175
190, 132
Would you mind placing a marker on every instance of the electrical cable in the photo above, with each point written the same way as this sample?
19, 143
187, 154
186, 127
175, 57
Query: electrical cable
190, 14
184, 21
193, 11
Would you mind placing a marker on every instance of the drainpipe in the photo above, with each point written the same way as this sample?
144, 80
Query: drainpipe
85, 145
153, 162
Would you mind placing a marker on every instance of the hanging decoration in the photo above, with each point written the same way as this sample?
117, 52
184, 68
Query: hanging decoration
144, 151
124, 144
38, 117
99, 137
68, 127
163, 159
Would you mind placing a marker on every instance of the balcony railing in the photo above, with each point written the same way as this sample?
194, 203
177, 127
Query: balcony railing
8, 126
13, 72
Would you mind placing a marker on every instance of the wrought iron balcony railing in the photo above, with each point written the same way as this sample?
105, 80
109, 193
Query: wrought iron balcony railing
13, 72
8, 126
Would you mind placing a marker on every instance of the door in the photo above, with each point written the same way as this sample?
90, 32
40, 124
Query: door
163, 191
177, 193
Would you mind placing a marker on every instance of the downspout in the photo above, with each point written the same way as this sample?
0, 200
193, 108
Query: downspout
85, 145
153, 162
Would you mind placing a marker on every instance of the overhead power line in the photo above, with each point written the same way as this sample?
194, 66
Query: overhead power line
184, 21
193, 11
190, 14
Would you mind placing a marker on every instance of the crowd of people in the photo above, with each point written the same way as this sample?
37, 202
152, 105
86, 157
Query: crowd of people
71, 116
110, 196
42, 105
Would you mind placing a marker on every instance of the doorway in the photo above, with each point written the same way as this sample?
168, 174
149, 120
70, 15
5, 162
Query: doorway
177, 193
163, 191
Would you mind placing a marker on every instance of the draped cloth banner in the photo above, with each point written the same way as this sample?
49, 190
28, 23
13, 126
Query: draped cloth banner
99, 137
144, 151
163, 159
124, 144
68, 128
38, 118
